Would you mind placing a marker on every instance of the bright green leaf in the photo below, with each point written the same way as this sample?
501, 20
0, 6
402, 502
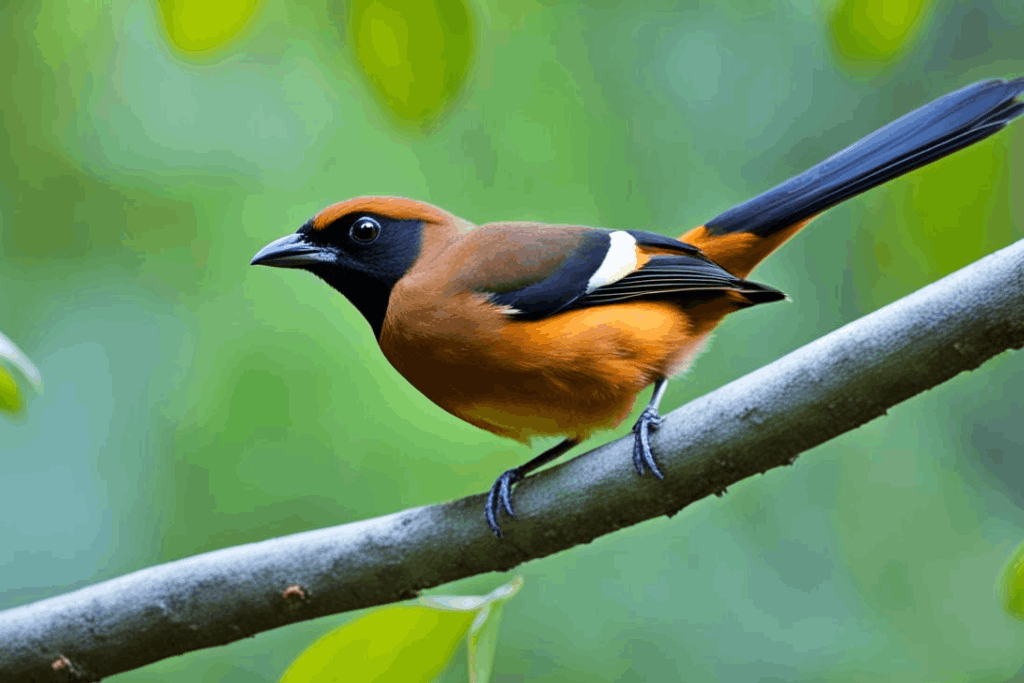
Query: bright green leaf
12, 353
483, 641
404, 644
1012, 584
408, 643
416, 53
875, 32
483, 634
10, 399
195, 26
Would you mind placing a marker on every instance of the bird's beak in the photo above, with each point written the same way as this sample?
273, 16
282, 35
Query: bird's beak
292, 251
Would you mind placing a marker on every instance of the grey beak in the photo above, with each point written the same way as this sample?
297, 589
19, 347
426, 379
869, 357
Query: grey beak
292, 251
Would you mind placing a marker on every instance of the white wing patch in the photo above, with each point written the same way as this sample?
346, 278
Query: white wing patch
619, 262
510, 311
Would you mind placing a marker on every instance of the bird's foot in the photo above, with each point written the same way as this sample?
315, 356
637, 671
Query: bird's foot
643, 458
500, 498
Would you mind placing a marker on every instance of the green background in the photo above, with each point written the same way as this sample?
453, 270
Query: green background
193, 402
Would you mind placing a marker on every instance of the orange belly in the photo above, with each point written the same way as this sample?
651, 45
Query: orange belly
570, 374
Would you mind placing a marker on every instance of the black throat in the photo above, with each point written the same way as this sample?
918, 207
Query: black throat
368, 294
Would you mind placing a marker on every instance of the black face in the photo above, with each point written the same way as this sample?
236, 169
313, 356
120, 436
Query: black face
362, 255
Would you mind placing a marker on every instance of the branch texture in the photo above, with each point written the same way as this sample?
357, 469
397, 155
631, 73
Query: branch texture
758, 422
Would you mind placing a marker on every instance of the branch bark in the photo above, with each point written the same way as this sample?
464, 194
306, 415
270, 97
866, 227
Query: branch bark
758, 422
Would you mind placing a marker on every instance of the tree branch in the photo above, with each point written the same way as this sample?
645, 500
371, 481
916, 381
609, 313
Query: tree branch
760, 421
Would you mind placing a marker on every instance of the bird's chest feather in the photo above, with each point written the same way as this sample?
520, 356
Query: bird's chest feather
569, 374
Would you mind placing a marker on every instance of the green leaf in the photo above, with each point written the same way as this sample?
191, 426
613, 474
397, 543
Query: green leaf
12, 353
202, 26
483, 633
1012, 584
10, 398
873, 33
416, 53
408, 643
404, 644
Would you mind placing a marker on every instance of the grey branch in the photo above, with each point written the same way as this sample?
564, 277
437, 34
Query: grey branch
758, 422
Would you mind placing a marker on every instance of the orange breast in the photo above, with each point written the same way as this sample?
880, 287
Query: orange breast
569, 375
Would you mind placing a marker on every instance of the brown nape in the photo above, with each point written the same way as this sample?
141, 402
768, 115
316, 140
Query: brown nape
740, 252
398, 208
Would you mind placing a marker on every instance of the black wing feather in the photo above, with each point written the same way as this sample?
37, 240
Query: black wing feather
678, 278
684, 279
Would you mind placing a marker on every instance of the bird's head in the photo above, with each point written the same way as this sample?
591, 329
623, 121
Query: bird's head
362, 247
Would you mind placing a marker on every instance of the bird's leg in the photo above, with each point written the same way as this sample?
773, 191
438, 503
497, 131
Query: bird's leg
649, 419
500, 496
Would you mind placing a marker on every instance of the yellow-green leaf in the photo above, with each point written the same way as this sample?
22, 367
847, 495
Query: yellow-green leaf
404, 644
10, 351
483, 640
1012, 584
416, 53
483, 634
200, 26
875, 32
10, 399
408, 643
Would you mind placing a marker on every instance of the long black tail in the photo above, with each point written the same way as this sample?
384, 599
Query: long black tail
942, 127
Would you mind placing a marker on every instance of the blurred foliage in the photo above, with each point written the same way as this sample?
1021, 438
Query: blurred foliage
10, 395
483, 632
873, 33
408, 643
416, 53
193, 402
404, 644
197, 26
1012, 584
10, 399
931, 217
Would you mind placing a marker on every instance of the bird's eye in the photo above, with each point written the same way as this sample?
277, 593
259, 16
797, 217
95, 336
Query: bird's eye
364, 230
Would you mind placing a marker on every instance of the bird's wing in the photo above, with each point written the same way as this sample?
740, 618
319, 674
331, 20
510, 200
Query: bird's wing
537, 273
682, 279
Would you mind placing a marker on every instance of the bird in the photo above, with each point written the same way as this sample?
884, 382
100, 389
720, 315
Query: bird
526, 329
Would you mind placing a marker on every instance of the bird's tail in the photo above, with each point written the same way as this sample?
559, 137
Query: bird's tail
742, 236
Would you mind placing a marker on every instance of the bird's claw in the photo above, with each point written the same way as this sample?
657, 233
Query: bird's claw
643, 458
500, 498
